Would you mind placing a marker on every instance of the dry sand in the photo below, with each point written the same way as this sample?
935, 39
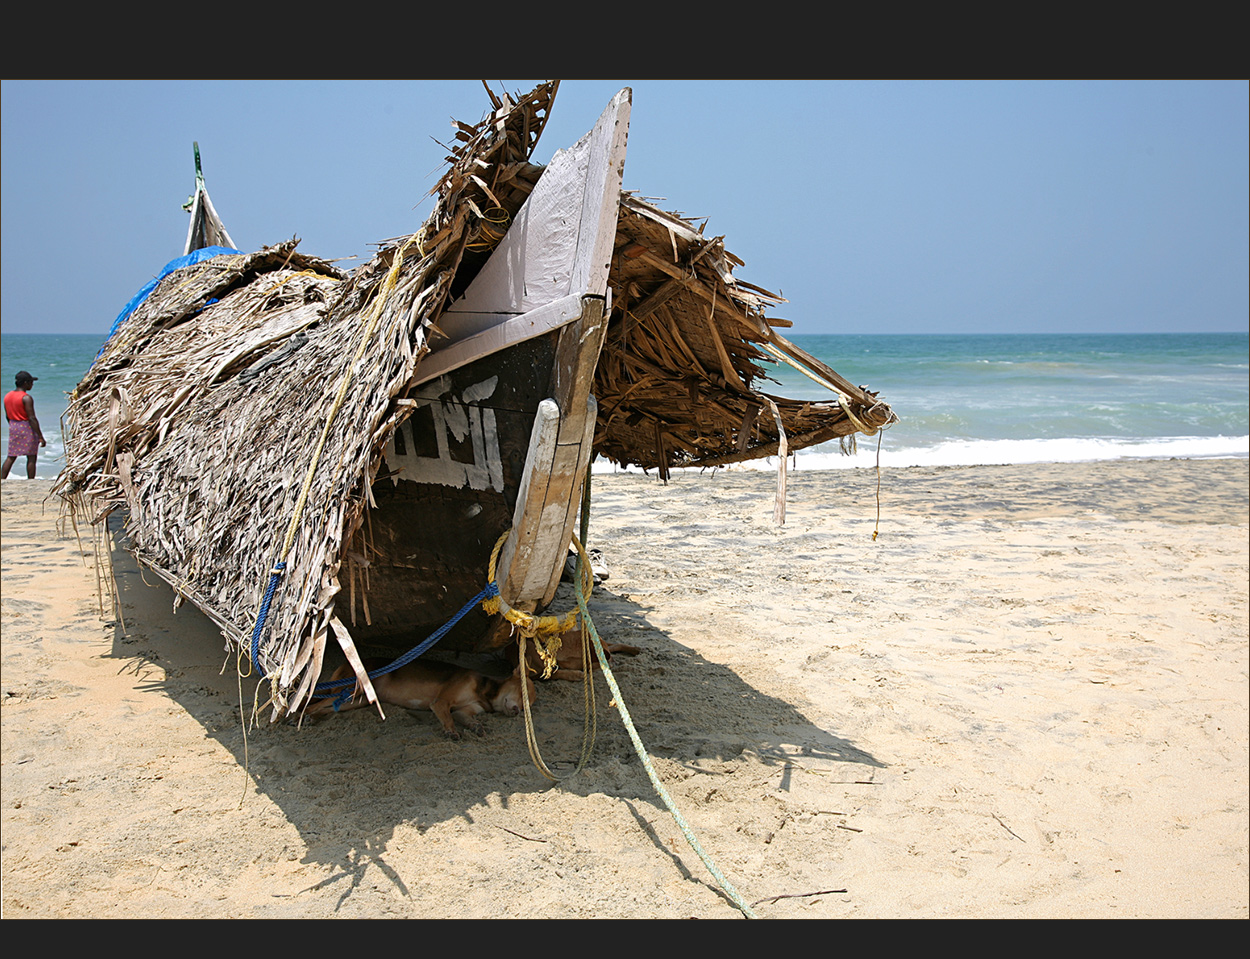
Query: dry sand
1027, 697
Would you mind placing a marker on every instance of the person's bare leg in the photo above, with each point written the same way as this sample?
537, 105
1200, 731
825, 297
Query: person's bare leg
30, 466
8, 465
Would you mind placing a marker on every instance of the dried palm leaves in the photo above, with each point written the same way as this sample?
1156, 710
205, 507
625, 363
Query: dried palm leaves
240, 413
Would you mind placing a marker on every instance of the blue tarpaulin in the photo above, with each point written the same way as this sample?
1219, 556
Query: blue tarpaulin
191, 258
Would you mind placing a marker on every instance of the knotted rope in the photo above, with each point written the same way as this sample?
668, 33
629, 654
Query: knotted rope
546, 631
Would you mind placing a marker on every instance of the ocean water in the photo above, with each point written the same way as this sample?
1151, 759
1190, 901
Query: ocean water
1030, 398
59, 360
961, 400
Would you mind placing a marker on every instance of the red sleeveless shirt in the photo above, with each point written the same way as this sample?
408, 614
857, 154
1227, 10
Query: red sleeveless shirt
14, 408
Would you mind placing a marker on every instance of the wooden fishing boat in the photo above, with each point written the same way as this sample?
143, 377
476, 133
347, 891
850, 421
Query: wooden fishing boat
307, 454
502, 417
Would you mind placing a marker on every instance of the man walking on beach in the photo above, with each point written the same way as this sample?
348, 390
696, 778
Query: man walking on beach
25, 436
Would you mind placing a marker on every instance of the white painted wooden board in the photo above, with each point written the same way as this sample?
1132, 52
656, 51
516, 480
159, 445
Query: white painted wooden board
560, 242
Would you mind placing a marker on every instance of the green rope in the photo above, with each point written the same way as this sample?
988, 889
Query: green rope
583, 574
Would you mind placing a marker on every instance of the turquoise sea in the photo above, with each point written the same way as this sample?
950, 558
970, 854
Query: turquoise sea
961, 399
1030, 398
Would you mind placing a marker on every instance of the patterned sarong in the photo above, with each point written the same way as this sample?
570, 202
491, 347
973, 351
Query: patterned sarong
22, 440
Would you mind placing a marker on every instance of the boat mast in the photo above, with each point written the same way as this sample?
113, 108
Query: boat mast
205, 228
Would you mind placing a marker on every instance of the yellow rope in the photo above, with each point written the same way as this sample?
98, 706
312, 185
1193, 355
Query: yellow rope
589, 721
387, 285
548, 635
379, 301
492, 226
295, 276
546, 631
192, 277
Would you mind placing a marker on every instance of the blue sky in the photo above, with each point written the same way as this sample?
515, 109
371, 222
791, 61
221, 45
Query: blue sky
873, 207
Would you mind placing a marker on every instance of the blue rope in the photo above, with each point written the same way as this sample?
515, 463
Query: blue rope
348, 685
275, 574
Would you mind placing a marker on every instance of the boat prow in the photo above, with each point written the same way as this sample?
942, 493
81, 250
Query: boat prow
502, 418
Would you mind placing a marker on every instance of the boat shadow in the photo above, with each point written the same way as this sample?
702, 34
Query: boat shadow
349, 782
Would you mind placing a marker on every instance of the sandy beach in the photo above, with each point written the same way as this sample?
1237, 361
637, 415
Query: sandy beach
1027, 697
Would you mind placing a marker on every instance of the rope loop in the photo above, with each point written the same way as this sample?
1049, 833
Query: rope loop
545, 631
347, 685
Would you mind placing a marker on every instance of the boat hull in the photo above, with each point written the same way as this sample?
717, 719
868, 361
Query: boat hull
468, 465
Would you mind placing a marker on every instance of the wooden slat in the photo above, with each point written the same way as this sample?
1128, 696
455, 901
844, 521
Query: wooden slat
726, 365
845, 385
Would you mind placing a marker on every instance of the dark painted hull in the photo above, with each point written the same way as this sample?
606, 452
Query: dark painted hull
446, 494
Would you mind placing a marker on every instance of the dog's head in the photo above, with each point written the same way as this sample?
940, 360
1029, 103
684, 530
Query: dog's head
507, 699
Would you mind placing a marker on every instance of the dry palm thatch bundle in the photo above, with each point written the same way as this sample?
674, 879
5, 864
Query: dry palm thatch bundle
240, 412
676, 381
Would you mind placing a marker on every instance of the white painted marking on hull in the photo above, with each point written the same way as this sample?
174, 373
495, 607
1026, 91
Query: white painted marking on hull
462, 418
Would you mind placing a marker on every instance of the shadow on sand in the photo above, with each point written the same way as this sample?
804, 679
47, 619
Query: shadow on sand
347, 782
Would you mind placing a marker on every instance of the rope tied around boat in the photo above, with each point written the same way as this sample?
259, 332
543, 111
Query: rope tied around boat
545, 631
275, 574
530, 626
547, 650
583, 564
375, 311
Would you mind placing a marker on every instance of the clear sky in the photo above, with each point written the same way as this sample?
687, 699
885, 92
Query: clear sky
873, 207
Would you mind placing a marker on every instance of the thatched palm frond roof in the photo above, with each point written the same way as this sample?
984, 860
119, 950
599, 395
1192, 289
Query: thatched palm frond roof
223, 473
240, 413
687, 345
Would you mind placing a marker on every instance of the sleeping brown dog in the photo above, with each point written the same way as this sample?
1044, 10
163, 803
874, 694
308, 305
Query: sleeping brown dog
569, 663
450, 692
